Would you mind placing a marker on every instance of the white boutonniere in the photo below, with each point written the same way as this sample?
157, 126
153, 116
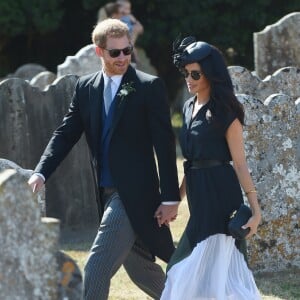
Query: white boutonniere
126, 89
208, 116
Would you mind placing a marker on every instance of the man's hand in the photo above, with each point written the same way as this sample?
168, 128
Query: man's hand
166, 214
36, 182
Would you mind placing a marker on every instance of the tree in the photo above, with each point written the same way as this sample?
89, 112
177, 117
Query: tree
227, 24
39, 26
28, 19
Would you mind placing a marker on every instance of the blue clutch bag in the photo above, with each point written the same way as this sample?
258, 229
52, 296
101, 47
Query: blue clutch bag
237, 219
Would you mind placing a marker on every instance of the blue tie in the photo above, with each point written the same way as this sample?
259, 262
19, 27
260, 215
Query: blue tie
107, 96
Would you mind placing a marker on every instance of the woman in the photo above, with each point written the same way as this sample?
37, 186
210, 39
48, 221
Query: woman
208, 263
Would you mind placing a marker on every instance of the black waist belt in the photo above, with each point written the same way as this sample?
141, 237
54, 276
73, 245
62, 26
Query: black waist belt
205, 163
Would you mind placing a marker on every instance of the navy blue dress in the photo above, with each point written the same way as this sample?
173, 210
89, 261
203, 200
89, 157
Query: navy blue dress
212, 193
208, 263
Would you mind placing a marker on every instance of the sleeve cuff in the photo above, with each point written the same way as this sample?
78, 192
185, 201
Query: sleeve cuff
40, 175
170, 203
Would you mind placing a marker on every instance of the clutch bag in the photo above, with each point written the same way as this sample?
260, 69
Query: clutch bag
239, 218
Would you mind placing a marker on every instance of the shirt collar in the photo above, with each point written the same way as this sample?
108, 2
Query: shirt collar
115, 78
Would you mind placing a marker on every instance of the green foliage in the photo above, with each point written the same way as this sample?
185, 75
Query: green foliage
93, 4
44, 24
24, 16
224, 23
227, 24
11, 18
176, 120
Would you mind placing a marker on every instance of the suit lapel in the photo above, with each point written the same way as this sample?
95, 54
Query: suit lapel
120, 102
96, 102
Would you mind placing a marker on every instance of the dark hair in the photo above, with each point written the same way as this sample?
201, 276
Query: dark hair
214, 68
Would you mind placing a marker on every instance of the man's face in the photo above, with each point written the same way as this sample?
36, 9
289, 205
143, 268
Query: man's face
114, 65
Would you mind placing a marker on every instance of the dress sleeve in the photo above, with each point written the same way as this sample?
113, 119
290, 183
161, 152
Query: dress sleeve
228, 119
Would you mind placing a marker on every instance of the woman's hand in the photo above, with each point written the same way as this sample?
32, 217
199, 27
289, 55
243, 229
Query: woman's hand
252, 223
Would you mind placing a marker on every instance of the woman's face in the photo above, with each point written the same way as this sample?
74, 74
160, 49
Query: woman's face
196, 81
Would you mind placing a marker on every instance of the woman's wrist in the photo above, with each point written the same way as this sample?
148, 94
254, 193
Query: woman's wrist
250, 191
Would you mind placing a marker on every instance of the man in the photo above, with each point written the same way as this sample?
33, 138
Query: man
124, 115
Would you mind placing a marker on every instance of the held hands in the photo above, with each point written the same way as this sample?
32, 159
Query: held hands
36, 183
252, 223
166, 214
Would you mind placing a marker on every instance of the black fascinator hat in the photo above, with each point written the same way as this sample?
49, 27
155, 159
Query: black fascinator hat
189, 51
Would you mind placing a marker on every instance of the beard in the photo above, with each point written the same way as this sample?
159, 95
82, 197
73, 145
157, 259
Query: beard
116, 67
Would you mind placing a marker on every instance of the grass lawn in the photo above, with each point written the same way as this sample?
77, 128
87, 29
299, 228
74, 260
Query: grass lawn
273, 286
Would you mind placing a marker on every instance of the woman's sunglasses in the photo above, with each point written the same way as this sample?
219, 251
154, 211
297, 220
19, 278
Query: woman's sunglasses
116, 52
196, 75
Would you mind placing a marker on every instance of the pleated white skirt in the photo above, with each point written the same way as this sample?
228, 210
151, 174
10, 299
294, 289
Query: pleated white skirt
215, 270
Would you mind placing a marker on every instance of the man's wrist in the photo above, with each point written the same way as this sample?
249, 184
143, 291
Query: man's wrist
40, 175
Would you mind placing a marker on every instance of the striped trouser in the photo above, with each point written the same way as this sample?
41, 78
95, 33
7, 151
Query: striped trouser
115, 244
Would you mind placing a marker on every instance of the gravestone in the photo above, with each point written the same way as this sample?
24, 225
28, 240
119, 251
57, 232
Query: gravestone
67, 283
40, 196
284, 81
27, 71
144, 63
272, 147
84, 62
28, 118
277, 46
28, 268
42, 80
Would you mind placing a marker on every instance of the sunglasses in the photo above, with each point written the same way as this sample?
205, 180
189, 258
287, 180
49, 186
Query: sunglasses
196, 75
116, 52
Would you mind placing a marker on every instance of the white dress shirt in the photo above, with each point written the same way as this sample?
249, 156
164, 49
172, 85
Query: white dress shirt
116, 81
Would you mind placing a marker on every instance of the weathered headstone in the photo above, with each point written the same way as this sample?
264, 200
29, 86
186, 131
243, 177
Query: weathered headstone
272, 147
84, 62
42, 80
27, 71
28, 118
144, 63
28, 268
40, 196
67, 283
277, 46
284, 81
